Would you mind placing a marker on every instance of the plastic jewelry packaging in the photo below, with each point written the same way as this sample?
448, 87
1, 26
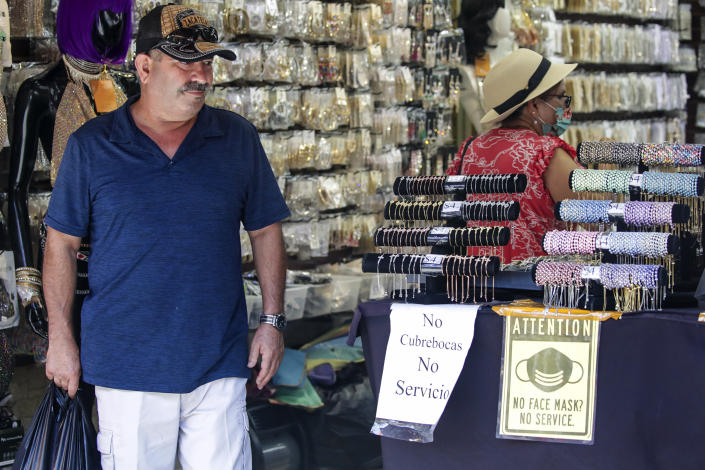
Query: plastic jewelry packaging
284, 104
330, 192
277, 62
252, 58
213, 10
218, 98
306, 71
301, 194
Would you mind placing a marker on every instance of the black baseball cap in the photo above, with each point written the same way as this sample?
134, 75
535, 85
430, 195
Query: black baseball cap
180, 32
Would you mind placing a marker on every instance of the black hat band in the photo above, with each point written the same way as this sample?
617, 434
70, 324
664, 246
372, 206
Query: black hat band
519, 97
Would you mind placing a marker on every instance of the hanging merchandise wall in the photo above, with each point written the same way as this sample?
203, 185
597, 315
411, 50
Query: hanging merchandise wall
692, 27
630, 84
344, 96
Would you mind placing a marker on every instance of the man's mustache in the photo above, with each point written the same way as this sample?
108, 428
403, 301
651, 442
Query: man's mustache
195, 86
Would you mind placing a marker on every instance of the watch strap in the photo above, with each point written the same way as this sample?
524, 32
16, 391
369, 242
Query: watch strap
278, 321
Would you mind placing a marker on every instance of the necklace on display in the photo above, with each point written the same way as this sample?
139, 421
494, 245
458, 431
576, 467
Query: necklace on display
83, 71
91, 90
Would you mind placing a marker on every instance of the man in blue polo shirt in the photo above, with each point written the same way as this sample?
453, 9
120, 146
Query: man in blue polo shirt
161, 186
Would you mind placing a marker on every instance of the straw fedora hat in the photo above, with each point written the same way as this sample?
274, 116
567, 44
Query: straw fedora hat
517, 78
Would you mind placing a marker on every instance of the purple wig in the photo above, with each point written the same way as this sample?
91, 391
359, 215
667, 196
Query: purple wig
74, 27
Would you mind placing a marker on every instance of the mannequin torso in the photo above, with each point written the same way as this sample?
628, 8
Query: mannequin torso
36, 105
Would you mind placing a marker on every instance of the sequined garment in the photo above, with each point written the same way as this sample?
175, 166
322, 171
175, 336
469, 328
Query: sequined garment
27, 18
7, 364
3, 122
75, 109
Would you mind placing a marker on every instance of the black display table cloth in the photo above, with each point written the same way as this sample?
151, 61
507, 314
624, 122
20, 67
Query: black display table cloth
650, 409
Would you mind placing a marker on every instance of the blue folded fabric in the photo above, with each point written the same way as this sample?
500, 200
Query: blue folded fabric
291, 372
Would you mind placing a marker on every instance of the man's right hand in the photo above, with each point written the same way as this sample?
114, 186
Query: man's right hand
64, 364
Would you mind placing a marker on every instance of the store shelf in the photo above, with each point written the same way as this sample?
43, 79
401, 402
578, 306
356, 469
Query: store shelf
622, 68
612, 19
622, 115
25, 49
334, 256
692, 42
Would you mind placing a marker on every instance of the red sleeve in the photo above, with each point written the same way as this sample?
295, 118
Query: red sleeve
455, 166
548, 146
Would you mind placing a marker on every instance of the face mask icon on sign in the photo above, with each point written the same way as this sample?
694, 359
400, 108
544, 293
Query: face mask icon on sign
549, 370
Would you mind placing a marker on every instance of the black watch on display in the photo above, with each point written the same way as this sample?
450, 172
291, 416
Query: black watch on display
277, 321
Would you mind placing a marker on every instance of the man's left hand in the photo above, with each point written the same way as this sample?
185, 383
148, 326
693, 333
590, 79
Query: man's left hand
268, 342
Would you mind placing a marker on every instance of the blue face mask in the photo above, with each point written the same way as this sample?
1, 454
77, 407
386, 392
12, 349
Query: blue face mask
563, 118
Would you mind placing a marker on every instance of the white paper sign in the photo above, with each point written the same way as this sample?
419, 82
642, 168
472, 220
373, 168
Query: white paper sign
451, 209
636, 180
590, 273
426, 351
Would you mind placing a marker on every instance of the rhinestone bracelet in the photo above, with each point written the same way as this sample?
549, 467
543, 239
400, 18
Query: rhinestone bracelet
562, 242
638, 244
672, 155
609, 152
586, 212
559, 274
619, 276
670, 184
613, 181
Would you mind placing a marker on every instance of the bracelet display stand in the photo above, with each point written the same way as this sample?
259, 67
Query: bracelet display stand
448, 269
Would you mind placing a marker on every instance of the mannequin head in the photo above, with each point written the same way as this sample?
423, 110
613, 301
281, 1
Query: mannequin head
475, 17
500, 25
95, 30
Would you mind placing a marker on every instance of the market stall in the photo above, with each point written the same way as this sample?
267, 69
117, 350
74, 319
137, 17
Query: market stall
648, 409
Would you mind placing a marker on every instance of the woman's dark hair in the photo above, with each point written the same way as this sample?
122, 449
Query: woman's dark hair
474, 18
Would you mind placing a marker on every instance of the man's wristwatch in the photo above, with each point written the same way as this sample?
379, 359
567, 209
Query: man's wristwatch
277, 321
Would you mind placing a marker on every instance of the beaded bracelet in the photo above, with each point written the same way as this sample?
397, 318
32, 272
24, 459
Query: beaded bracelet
609, 152
562, 242
586, 212
559, 273
619, 276
611, 181
626, 153
670, 184
671, 155
644, 214
638, 243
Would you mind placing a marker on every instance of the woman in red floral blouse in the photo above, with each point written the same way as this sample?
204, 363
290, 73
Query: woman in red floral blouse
527, 97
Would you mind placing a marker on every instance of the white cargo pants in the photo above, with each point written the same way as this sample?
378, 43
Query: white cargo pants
208, 428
